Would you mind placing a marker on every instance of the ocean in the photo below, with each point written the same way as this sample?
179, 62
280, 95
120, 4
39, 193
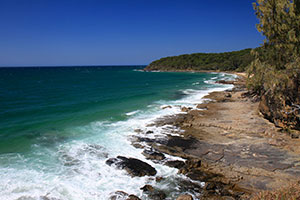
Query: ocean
58, 126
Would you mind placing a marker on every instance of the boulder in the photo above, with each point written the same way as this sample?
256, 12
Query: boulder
193, 163
149, 132
185, 109
185, 197
153, 155
175, 163
138, 145
159, 179
133, 166
133, 197
153, 194
228, 95
147, 188
165, 107
202, 106
120, 195
111, 161
158, 195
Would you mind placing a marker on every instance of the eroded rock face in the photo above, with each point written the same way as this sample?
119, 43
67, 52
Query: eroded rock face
133, 166
284, 112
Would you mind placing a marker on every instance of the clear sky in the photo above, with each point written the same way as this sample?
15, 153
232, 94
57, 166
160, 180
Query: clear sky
120, 32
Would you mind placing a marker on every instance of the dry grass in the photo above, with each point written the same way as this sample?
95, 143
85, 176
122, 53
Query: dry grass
291, 192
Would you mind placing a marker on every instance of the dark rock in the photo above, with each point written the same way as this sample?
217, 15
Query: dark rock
147, 188
153, 193
185, 197
175, 163
149, 132
220, 189
185, 109
193, 163
210, 186
111, 161
153, 155
228, 95
133, 166
165, 107
133, 197
138, 145
183, 143
294, 136
159, 179
149, 140
199, 175
188, 186
157, 195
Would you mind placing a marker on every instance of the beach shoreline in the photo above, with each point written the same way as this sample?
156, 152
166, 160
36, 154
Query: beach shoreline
240, 152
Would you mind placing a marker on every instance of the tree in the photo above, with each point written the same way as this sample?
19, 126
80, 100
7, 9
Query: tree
275, 72
279, 21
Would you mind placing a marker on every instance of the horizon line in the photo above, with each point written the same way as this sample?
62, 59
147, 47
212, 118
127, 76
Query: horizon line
37, 66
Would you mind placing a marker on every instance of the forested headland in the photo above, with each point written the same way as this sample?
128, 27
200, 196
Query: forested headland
227, 61
273, 69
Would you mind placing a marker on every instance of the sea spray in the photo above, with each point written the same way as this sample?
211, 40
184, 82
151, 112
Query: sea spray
69, 162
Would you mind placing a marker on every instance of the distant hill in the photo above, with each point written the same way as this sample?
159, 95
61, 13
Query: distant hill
227, 61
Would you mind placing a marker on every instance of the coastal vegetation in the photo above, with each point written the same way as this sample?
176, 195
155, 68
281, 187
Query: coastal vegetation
273, 69
227, 61
274, 74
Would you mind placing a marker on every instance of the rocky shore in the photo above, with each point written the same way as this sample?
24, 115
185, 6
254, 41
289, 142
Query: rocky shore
228, 150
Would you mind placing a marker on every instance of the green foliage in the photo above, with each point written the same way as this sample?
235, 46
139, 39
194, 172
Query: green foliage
275, 71
276, 62
228, 61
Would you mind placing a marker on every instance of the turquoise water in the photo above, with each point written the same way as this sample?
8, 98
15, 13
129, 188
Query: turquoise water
58, 125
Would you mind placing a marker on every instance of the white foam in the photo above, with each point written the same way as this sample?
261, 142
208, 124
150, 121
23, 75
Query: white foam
138, 70
76, 169
132, 113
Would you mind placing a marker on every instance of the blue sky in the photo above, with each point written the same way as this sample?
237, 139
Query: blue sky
120, 32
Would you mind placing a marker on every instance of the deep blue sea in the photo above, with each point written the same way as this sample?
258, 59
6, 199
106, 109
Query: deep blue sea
58, 126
